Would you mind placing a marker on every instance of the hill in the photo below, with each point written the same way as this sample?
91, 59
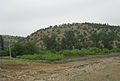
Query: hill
11, 39
89, 35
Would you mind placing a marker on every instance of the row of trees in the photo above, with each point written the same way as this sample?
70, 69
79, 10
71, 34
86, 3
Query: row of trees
71, 40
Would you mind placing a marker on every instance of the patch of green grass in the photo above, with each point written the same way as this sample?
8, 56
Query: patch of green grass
86, 51
31, 57
53, 57
14, 62
47, 56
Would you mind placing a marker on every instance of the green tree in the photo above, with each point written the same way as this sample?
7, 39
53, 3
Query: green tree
106, 38
69, 41
30, 48
24, 48
51, 43
1, 42
95, 37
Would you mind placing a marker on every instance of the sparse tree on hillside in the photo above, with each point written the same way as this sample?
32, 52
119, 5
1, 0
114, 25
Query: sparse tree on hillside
69, 40
51, 43
106, 39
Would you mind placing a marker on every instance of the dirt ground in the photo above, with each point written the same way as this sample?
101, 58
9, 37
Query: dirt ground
95, 69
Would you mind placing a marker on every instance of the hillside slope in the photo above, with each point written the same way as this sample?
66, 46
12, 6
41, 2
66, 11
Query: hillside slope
11, 39
83, 29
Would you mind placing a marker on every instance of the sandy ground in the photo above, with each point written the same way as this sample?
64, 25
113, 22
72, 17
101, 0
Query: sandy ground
95, 69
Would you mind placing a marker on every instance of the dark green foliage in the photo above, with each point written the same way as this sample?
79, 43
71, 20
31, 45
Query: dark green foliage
50, 56
74, 52
1, 42
17, 49
51, 43
107, 39
31, 57
31, 48
24, 48
95, 39
73, 40
103, 38
105, 51
115, 50
79, 35
3, 53
45, 56
85, 52
69, 40
53, 57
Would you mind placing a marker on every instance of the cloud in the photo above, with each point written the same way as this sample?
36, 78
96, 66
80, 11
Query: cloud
22, 17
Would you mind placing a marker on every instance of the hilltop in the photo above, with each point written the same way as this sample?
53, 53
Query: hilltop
89, 33
79, 35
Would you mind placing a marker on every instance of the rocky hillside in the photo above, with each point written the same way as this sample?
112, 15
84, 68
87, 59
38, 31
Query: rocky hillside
12, 39
86, 30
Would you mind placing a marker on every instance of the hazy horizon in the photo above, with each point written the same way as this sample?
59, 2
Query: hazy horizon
23, 17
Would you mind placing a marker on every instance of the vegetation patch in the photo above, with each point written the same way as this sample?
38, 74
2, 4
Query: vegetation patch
49, 56
13, 62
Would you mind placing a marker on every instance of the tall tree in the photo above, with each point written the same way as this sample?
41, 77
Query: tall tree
1, 42
106, 38
51, 43
20, 48
69, 41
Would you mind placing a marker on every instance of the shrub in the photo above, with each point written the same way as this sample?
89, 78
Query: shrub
3, 53
53, 57
87, 51
70, 52
115, 50
84, 52
105, 51
95, 50
26, 48
46, 56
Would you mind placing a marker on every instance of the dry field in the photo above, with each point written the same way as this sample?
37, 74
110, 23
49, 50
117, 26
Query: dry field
95, 69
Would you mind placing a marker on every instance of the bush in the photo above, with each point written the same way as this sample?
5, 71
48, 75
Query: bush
77, 52
115, 50
3, 53
84, 52
105, 51
95, 50
46, 56
26, 48
70, 52
53, 57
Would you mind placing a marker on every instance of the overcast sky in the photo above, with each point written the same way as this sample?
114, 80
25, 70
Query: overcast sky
23, 17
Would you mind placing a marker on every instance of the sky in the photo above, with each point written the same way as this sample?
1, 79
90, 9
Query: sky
23, 17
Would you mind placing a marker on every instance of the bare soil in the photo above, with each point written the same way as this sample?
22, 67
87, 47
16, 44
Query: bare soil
95, 69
